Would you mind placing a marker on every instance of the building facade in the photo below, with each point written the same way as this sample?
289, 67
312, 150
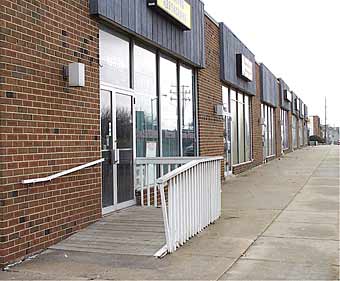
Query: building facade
105, 83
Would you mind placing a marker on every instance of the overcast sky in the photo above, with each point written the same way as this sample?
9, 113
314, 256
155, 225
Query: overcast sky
298, 40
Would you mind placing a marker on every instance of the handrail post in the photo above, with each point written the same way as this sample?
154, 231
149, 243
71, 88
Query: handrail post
165, 217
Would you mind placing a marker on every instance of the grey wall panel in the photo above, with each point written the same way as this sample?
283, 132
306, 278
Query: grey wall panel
285, 104
139, 20
269, 87
295, 99
306, 111
230, 46
301, 112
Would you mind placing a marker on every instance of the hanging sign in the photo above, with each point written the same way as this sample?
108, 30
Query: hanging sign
244, 67
177, 10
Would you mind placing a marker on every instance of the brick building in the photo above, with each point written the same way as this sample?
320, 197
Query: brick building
155, 84
315, 126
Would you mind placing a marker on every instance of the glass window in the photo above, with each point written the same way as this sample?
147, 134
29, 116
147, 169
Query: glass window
114, 59
247, 127
284, 129
146, 101
241, 146
273, 131
187, 111
268, 130
241, 127
169, 107
233, 103
226, 131
294, 131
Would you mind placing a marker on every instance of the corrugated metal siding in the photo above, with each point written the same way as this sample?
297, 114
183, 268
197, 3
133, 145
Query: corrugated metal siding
230, 47
138, 19
285, 104
269, 86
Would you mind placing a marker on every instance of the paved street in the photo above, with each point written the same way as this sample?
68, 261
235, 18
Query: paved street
279, 221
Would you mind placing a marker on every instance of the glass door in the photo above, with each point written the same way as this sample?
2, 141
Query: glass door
117, 143
227, 145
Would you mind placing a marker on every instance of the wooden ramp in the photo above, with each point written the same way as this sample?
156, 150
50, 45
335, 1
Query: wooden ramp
132, 231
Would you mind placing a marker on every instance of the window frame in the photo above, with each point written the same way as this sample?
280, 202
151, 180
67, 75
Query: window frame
133, 41
237, 109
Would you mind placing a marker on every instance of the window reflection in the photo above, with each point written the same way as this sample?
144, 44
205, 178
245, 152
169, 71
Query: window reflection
146, 102
114, 56
169, 108
187, 108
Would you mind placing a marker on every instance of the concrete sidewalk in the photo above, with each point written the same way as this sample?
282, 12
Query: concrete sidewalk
279, 221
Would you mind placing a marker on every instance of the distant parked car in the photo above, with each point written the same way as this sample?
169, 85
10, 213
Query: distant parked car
338, 142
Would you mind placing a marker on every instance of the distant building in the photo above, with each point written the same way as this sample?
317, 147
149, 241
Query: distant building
314, 126
333, 134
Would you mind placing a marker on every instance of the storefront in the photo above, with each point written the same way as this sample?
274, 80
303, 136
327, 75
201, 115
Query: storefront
239, 87
295, 120
306, 129
147, 88
269, 99
285, 108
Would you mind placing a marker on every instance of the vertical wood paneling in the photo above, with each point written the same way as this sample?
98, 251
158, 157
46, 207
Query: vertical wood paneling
143, 21
269, 86
230, 47
285, 104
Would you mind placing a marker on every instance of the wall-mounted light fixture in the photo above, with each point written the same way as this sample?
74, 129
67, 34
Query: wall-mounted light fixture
220, 110
75, 73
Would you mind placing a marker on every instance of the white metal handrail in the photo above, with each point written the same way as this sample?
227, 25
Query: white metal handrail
194, 200
66, 172
148, 169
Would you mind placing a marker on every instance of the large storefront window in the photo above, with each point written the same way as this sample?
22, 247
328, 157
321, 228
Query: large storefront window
294, 131
114, 54
241, 128
169, 107
284, 129
301, 132
187, 111
146, 102
268, 130
164, 101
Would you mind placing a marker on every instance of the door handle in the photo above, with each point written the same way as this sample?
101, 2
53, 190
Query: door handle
114, 156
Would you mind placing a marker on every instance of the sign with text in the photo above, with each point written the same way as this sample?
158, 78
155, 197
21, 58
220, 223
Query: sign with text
288, 95
244, 67
177, 10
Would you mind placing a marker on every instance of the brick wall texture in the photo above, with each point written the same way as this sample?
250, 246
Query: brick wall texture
46, 127
210, 94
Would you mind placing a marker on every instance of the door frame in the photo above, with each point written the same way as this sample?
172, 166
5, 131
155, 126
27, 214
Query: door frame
128, 92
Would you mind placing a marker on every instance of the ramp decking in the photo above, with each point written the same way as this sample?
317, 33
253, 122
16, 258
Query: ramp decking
132, 231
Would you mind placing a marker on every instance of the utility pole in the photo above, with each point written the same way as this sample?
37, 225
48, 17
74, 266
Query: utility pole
325, 120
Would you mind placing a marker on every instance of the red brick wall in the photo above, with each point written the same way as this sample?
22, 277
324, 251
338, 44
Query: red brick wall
210, 94
316, 126
46, 126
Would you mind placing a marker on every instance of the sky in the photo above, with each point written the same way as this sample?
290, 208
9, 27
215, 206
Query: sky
298, 40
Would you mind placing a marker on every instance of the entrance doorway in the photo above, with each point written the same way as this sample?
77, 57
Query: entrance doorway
227, 145
117, 143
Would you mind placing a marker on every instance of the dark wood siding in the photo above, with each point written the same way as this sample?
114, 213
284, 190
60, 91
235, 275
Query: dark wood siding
269, 86
301, 112
285, 104
135, 17
295, 100
230, 46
